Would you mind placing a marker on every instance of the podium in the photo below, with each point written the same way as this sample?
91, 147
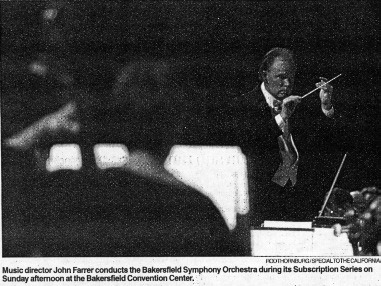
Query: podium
298, 239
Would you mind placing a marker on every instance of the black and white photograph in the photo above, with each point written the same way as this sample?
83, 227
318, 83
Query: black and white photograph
240, 137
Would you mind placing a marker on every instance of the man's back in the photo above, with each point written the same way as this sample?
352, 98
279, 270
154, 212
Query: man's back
114, 213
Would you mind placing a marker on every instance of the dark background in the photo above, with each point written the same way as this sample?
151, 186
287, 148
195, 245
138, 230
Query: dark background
217, 45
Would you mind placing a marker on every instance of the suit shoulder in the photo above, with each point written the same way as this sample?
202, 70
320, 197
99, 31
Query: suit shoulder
251, 98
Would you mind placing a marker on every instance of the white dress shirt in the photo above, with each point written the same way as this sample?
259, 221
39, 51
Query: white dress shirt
290, 157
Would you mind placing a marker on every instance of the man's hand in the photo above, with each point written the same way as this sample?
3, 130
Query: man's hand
325, 93
288, 106
59, 121
62, 120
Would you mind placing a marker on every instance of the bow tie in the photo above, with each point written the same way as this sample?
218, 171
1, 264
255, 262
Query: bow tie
277, 106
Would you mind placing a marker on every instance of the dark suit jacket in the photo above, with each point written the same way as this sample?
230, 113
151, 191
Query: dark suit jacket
247, 121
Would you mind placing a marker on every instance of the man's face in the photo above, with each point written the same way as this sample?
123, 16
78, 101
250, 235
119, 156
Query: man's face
279, 78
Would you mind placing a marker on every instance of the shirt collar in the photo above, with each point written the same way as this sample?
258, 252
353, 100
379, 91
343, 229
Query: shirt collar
269, 98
